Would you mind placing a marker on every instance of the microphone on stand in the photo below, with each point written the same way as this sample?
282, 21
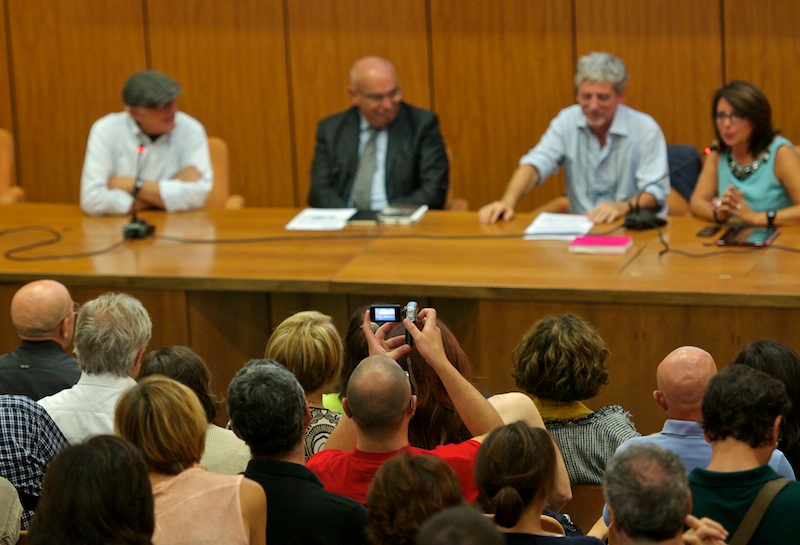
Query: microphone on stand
640, 220
137, 228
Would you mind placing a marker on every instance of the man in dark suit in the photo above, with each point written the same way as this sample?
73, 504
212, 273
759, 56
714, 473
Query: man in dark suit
43, 314
381, 151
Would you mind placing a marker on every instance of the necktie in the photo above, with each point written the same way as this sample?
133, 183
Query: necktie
362, 187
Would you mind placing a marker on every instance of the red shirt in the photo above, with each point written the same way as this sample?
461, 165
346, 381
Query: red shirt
349, 473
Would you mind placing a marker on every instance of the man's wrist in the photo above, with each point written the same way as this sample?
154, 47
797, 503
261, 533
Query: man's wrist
138, 184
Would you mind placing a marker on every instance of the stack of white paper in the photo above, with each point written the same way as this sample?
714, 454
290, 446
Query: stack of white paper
548, 226
321, 219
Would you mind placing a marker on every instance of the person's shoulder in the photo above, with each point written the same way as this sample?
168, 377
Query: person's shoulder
415, 111
469, 448
110, 121
349, 114
637, 118
184, 121
326, 456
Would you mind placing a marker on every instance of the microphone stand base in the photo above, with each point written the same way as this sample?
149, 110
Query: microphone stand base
643, 220
138, 229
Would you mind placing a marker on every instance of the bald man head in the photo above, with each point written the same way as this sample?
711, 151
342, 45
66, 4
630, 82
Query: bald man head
682, 380
43, 310
374, 91
378, 397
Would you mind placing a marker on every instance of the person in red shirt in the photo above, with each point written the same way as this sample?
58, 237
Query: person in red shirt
380, 403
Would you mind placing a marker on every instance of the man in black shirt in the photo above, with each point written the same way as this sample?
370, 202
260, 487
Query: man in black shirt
43, 314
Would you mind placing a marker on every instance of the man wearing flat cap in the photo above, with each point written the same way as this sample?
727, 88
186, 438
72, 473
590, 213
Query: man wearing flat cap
148, 156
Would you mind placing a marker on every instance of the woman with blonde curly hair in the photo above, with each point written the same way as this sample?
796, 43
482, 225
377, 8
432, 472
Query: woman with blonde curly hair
166, 421
561, 362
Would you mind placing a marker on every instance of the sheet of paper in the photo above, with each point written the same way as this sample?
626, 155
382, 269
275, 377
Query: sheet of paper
321, 219
548, 226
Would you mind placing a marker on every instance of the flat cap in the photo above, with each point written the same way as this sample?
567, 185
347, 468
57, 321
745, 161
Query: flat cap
150, 88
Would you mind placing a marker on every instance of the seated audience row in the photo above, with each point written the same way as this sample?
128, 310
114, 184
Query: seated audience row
518, 472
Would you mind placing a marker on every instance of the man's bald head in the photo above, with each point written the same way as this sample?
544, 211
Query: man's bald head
378, 395
39, 310
682, 380
374, 91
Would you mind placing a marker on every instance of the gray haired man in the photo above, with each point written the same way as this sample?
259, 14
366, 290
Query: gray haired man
614, 157
111, 334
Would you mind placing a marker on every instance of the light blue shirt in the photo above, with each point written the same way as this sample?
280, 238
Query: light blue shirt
378, 198
633, 159
686, 440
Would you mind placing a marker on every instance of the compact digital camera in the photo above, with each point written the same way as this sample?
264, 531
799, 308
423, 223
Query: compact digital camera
393, 313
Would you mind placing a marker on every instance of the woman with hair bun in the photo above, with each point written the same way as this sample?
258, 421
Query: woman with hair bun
515, 474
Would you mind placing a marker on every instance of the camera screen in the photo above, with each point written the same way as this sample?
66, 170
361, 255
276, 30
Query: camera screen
385, 314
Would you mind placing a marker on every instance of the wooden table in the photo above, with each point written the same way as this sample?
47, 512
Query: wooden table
488, 284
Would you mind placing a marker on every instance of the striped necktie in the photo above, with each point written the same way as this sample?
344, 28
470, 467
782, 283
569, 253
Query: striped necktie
362, 187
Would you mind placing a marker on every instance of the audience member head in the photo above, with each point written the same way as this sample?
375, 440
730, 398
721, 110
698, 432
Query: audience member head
781, 363
647, 493
111, 334
461, 525
95, 493
436, 420
181, 363
44, 310
561, 358
514, 470
753, 107
682, 379
374, 91
355, 346
601, 66
268, 409
309, 346
406, 491
378, 397
744, 404
165, 420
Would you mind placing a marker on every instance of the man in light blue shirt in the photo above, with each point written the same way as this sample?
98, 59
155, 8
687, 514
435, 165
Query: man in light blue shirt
682, 378
614, 157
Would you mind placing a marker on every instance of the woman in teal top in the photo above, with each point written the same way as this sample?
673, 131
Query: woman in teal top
754, 176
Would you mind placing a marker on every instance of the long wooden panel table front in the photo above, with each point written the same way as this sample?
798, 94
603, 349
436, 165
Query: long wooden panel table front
488, 284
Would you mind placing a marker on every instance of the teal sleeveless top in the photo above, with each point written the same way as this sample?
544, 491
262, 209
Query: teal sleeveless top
762, 190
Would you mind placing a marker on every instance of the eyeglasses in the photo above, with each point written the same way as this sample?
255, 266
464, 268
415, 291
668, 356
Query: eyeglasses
733, 117
394, 95
73, 310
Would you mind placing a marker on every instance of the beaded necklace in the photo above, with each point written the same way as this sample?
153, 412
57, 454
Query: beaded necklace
742, 172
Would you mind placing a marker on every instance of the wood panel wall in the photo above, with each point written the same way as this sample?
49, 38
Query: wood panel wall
261, 73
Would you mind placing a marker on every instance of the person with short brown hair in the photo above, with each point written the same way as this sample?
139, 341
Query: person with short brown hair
561, 361
223, 451
165, 420
405, 492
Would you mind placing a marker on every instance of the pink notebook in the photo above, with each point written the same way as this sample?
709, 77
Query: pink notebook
594, 244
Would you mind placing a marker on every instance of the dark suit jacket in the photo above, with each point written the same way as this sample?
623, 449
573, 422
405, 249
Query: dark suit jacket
301, 512
417, 169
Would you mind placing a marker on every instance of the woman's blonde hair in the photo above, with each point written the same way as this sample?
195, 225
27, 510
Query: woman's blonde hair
308, 344
165, 420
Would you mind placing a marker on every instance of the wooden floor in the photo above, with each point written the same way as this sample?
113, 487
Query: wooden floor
224, 297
